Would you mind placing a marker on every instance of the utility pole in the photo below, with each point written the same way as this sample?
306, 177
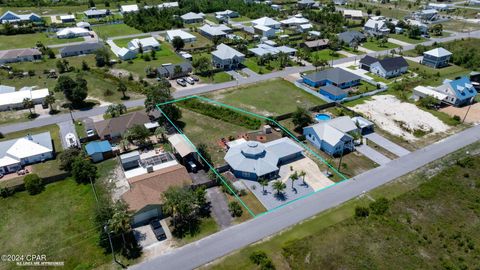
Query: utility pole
105, 227
341, 156
469, 106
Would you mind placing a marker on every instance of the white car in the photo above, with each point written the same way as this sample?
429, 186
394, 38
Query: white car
71, 140
90, 133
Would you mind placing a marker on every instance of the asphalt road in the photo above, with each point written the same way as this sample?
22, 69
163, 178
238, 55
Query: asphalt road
226, 241
214, 87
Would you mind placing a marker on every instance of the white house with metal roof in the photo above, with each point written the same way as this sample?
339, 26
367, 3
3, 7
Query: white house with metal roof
264, 31
376, 27
214, 31
67, 18
147, 44
334, 137
14, 100
192, 17
185, 36
16, 153
265, 49
128, 8
226, 57
253, 160
168, 5
295, 21
266, 21
72, 32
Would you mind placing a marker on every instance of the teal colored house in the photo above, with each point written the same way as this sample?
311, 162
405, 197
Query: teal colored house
333, 92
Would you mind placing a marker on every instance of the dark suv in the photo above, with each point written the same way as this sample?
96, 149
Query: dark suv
158, 230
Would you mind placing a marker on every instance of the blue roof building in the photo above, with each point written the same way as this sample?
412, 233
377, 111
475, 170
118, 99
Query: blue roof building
99, 150
460, 92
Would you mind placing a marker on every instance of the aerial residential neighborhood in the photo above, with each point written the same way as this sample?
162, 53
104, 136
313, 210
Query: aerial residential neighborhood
239, 134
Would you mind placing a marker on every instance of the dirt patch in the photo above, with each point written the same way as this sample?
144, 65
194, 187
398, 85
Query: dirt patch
473, 116
400, 118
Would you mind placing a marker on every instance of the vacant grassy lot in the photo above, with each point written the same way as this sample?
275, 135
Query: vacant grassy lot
30, 40
115, 30
218, 77
433, 77
203, 129
271, 98
207, 226
252, 64
374, 46
393, 236
57, 222
326, 54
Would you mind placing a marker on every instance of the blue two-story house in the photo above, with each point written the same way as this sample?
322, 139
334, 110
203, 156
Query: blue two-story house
436, 58
334, 76
460, 92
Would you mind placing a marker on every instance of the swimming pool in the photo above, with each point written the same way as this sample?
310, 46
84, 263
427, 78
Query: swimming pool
322, 117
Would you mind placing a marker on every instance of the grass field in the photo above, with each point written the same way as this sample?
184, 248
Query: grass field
57, 222
218, 77
335, 231
272, 97
252, 64
115, 30
207, 226
203, 129
326, 55
30, 41
374, 46
253, 204
434, 77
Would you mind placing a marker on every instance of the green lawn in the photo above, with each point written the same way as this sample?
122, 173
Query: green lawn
405, 38
57, 222
433, 77
209, 131
374, 46
378, 78
30, 40
326, 54
335, 240
164, 55
207, 226
218, 77
115, 30
273, 97
251, 63
252, 203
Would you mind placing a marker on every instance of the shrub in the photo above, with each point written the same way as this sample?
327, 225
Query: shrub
361, 211
33, 184
380, 206
235, 209
259, 257
6, 192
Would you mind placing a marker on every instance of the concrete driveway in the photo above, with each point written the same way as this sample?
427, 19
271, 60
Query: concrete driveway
65, 128
372, 154
387, 144
219, 207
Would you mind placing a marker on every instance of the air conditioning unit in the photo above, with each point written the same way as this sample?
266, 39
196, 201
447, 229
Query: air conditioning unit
149, 169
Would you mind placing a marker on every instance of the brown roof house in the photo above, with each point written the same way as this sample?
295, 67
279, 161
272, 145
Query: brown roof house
19, 55
315, 45
115, 127
145, 194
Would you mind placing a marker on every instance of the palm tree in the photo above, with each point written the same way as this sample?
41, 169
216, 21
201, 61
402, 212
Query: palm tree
28, 104
112, 110
279, 186
122, 88
294, 177
120, 222
302, 174
263, 182
50, 100
160, 131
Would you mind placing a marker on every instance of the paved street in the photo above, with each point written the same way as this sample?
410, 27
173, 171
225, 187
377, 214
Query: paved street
214, 87
222, 243
387, 144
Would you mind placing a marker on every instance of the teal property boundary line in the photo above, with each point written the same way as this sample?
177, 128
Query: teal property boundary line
225, 183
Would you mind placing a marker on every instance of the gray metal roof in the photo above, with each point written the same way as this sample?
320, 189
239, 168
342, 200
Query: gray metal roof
81, 47
332, 89
336, 75
260, 158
